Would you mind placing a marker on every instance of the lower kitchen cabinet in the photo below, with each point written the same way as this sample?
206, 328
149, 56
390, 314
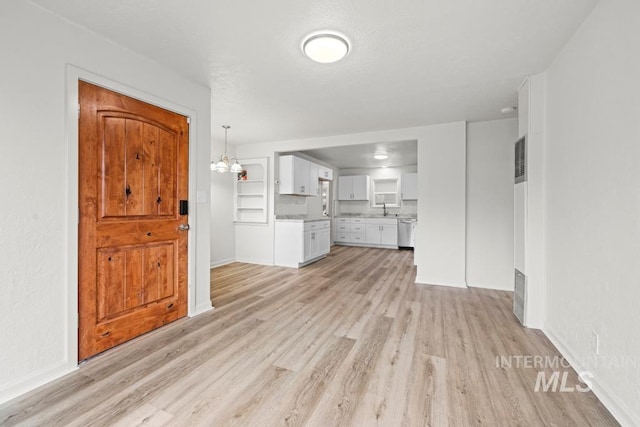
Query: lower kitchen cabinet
376, 232
382, 231
298, 243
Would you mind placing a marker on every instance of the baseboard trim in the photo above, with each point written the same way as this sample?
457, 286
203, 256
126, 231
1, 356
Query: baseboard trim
221, 263
202, 308
30, 382
255, 261
493, 288
622, 413
423, 281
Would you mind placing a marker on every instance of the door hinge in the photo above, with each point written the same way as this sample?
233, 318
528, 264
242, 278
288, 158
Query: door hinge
188, 120
78, 110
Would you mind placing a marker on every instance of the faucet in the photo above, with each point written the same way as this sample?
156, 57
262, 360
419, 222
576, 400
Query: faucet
384, 209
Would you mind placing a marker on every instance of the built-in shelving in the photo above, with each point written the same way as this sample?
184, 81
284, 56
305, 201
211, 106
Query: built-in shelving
250, 191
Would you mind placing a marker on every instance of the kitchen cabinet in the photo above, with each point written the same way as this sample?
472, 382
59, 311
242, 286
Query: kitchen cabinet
382, 231
409, 186
349, 230
325, 173
376, 232
355, 187
298, 176
314, 182
298, 243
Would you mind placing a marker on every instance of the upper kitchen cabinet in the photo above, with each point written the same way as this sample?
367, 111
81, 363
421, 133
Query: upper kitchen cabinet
298, 176
325, 173
409, 186
354, 187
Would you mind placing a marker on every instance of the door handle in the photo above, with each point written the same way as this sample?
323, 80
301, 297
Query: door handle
184, 227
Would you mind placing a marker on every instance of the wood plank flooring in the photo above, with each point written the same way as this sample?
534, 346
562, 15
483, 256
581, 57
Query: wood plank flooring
347, 341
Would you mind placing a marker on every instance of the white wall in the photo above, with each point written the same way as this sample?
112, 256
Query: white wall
223, 243
593, 202
490, 150
37, 212
440, 235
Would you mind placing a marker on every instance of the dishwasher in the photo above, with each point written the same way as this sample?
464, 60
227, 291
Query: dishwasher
406, 232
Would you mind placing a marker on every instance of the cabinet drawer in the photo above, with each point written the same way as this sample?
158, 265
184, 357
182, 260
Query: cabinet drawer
344, 228
316, 225
310, 226
357, 220
357, 238
342, 237
343, 220
358, 228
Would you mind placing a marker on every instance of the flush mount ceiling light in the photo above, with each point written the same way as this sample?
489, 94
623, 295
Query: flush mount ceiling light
507, 110
380, 155
325, 47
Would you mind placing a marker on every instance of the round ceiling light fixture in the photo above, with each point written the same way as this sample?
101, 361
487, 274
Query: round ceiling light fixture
380, 154
325, 47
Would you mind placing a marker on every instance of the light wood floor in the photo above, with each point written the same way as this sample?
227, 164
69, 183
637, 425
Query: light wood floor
349, 340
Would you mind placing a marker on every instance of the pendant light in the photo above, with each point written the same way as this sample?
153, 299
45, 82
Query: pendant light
222, 165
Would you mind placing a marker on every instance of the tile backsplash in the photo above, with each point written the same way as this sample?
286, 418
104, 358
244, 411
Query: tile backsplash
408, 207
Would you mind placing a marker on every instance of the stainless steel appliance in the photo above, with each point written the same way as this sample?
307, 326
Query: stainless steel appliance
406, 232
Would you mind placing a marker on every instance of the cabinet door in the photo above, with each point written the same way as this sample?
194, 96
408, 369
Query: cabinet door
325, 173
324, 241
309, 237
314, 181
373, 234
300, 176
389, 235
409, 186
360, 185
345, 187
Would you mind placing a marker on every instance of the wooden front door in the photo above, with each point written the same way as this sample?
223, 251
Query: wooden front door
132, 263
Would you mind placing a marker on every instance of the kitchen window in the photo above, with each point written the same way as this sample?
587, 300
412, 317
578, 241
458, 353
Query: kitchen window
385, 192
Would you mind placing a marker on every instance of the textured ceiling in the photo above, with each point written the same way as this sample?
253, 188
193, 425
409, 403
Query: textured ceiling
413, 62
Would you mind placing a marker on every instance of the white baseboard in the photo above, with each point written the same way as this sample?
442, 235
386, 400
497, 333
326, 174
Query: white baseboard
202, 308
32, 381
423, 281
492, 287
255, 261
221, 263
623, 414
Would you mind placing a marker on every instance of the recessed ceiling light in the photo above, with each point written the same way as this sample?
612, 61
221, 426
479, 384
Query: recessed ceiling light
380, 156
507, 110
325, 47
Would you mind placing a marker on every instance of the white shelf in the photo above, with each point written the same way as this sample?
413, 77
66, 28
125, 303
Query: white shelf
250, 201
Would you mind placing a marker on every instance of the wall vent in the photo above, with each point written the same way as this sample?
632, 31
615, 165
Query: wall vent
521, 160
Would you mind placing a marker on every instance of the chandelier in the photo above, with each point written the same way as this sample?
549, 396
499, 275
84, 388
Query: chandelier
223, 164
